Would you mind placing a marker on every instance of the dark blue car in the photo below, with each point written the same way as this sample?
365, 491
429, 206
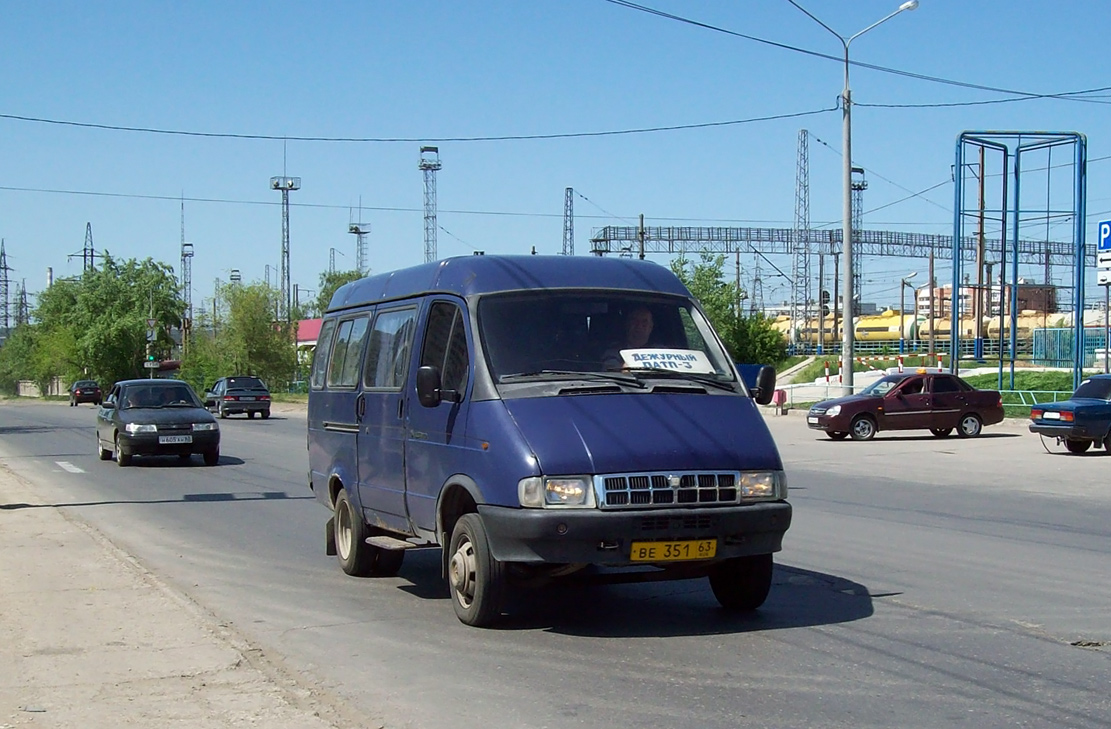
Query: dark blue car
1082, 420
535, 416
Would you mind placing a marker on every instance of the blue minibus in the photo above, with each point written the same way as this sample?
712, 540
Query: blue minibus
537, 417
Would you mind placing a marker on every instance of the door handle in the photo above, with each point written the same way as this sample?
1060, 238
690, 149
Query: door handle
360, 408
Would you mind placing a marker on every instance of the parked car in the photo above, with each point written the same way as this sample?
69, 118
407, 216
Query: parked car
155, 418
938, 401
84, 391
238, 394
1081, 421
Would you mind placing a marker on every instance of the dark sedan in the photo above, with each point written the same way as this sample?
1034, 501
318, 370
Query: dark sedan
238, 394
84, 391
1082, 420
937, 401
155, 418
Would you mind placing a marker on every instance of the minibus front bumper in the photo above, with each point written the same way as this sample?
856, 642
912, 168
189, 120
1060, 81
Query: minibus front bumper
593, 536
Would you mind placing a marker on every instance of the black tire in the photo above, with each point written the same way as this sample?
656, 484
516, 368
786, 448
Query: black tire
250, 414
862, 428
970, 426
122, 459
72, 403
742, 583
1077, 446
212, 457
1107, 442
265, 414
941, 432
220, 409
102, 453
476, 580
837, 434
355, 556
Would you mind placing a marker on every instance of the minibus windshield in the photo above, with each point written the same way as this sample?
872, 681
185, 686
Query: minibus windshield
558, 333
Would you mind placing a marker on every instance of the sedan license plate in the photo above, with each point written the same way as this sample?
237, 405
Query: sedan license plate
812, 419
249, 397
674, 551
172, 439
1051, 416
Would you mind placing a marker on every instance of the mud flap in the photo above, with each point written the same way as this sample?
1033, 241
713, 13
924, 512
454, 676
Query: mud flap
330, 538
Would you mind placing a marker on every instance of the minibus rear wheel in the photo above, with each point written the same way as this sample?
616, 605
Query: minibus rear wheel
742, 583
356, 557
476, 580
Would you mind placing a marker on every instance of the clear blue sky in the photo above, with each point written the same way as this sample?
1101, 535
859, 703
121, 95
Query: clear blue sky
426, 71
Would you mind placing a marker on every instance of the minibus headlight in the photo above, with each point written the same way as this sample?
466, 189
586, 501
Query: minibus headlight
763, 485
566, 491
134, 428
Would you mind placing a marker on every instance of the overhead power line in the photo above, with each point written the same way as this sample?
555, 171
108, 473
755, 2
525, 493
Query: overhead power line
1065, 96
410, 140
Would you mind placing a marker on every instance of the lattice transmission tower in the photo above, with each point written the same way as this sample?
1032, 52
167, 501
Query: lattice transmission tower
22, 311
286, 185
360, 230
186, 283
800, 260
5, 322
429, 164
858, 185
569, 222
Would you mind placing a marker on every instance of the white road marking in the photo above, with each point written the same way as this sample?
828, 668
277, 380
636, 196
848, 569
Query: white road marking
67, 466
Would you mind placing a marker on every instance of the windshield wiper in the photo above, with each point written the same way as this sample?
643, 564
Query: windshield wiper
700, 378
572, 374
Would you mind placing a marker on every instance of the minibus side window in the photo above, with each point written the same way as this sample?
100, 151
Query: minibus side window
320, 356
445, 346
343, 370
391, 342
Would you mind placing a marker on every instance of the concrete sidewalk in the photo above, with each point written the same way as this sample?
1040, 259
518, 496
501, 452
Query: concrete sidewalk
91, 639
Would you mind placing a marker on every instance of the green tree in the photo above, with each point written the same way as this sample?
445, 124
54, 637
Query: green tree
329, 282
96, 326
245, 339
16, 359
748, 339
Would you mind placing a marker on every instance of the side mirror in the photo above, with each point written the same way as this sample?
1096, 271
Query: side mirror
428, 386
429, 391
108, 405
765, 385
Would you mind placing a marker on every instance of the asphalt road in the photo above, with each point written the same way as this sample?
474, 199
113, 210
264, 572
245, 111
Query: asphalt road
924, 583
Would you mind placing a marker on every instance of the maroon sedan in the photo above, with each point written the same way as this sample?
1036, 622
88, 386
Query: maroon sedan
938, 401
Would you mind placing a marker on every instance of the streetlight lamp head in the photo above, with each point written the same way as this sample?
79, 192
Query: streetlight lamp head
908, 278
908, 5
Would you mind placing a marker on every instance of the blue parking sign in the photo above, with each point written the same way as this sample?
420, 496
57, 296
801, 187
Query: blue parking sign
1104, 236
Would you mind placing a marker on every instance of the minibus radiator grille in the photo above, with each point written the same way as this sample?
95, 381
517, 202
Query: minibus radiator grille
663, 490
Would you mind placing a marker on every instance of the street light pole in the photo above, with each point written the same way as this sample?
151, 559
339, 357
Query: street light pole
848, 330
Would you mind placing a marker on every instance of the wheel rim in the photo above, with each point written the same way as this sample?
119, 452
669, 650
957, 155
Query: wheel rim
462, 572
863, 428
970, 426
343, 532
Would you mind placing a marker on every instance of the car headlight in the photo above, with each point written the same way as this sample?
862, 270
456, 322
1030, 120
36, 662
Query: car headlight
835, 410
762, 485
134, 428
205, 426
547, 491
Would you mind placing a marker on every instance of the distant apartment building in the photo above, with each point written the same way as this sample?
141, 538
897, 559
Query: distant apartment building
1029, 296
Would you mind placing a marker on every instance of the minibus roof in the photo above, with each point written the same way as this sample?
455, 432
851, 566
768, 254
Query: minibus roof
475, 275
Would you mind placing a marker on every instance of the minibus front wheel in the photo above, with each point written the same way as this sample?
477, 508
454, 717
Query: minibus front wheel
476, 580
